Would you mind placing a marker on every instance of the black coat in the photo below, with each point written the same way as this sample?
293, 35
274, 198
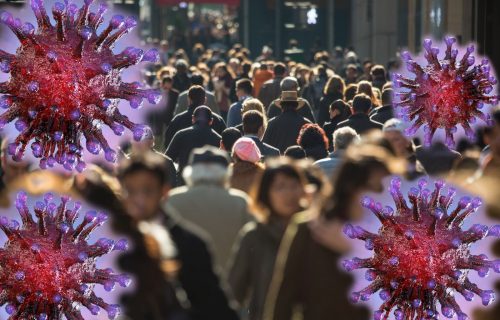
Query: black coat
283, 131
360, 123
324, 107
161, 117
265, 149
185, 119
382, 114
305, 111
188, 139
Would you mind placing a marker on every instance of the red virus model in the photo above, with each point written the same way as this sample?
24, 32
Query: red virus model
445, 93
421, 254
65, 83
47, 268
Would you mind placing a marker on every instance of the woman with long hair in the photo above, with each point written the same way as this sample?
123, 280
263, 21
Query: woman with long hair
222, 81
334, 90
276, 199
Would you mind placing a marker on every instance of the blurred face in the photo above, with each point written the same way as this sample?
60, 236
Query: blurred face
285, 194
167, 85
333, 113
12, 169
142, 194
398, 142
351, 73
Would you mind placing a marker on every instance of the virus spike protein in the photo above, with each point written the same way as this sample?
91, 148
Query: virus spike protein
65, 82
47, 268
421, 254
444, 93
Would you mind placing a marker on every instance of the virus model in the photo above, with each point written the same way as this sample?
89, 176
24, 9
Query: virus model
421, 254
47, 268
445, 93
65, 82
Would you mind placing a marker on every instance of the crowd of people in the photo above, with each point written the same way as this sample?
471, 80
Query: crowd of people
236, 209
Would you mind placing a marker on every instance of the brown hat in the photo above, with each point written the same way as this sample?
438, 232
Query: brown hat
290, 96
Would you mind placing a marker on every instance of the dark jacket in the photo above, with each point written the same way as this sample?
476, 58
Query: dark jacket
269, 91
265, 149
382, 114
181, 82
360, 123
282, 131
188, 139
196, 276
324, 107
316, 153
329, 127
307, 275
185, 120
253, 262
437, 159
305, 111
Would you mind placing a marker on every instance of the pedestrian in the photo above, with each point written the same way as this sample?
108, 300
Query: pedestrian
246, 164
359, 120
254, 127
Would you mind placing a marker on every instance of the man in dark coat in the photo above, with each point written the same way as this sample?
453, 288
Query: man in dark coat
360, 121
253, 128
160, 118
181, 78
170, 239
282, 131
291, 84
244, 88
196, 136
271, 89
183, 120
385, 112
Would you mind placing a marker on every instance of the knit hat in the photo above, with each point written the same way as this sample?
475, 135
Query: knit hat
246, 150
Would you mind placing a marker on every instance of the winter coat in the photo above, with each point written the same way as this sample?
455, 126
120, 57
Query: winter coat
283, 131
220, 212
244, 175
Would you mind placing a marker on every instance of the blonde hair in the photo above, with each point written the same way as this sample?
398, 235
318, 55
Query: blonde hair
254, 104
366, 88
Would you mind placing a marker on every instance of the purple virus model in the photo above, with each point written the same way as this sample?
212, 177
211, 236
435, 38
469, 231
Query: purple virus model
65, 83
421, 254
444, 93
47, 268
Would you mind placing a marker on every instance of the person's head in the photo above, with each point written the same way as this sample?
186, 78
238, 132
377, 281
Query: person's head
377, 73
145, 184
367, 66
343, 137
181, 66
228, 138
387, 97
246, 67
350, 91
244, 88
202, 115
289, 84
207, 165
366, 88
245, 149
279, 70
254, 104
12, 169
334, 85
196, 96
295, 152
197, 79
351, 72
289, 101
164, 45
339, 108
312, 135
279, 190
393, 130
253, 123
361, 103
166, 82
221, 70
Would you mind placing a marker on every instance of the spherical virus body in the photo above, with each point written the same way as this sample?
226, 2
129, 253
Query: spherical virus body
421, 255
445, 93
65, 83
47, 268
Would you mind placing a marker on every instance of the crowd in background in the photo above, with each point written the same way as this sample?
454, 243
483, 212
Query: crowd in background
236, 208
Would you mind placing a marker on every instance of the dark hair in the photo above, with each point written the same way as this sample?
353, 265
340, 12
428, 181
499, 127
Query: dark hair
295, 152
496, 115
197, 79
245, 85
253, 120
361, 103
289, 105
378, 72
202, 114
148, 161
229, 137
387, 97
197, 95
246, 67
350, 91
279, 69
260, 193
166, 79
312, 135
